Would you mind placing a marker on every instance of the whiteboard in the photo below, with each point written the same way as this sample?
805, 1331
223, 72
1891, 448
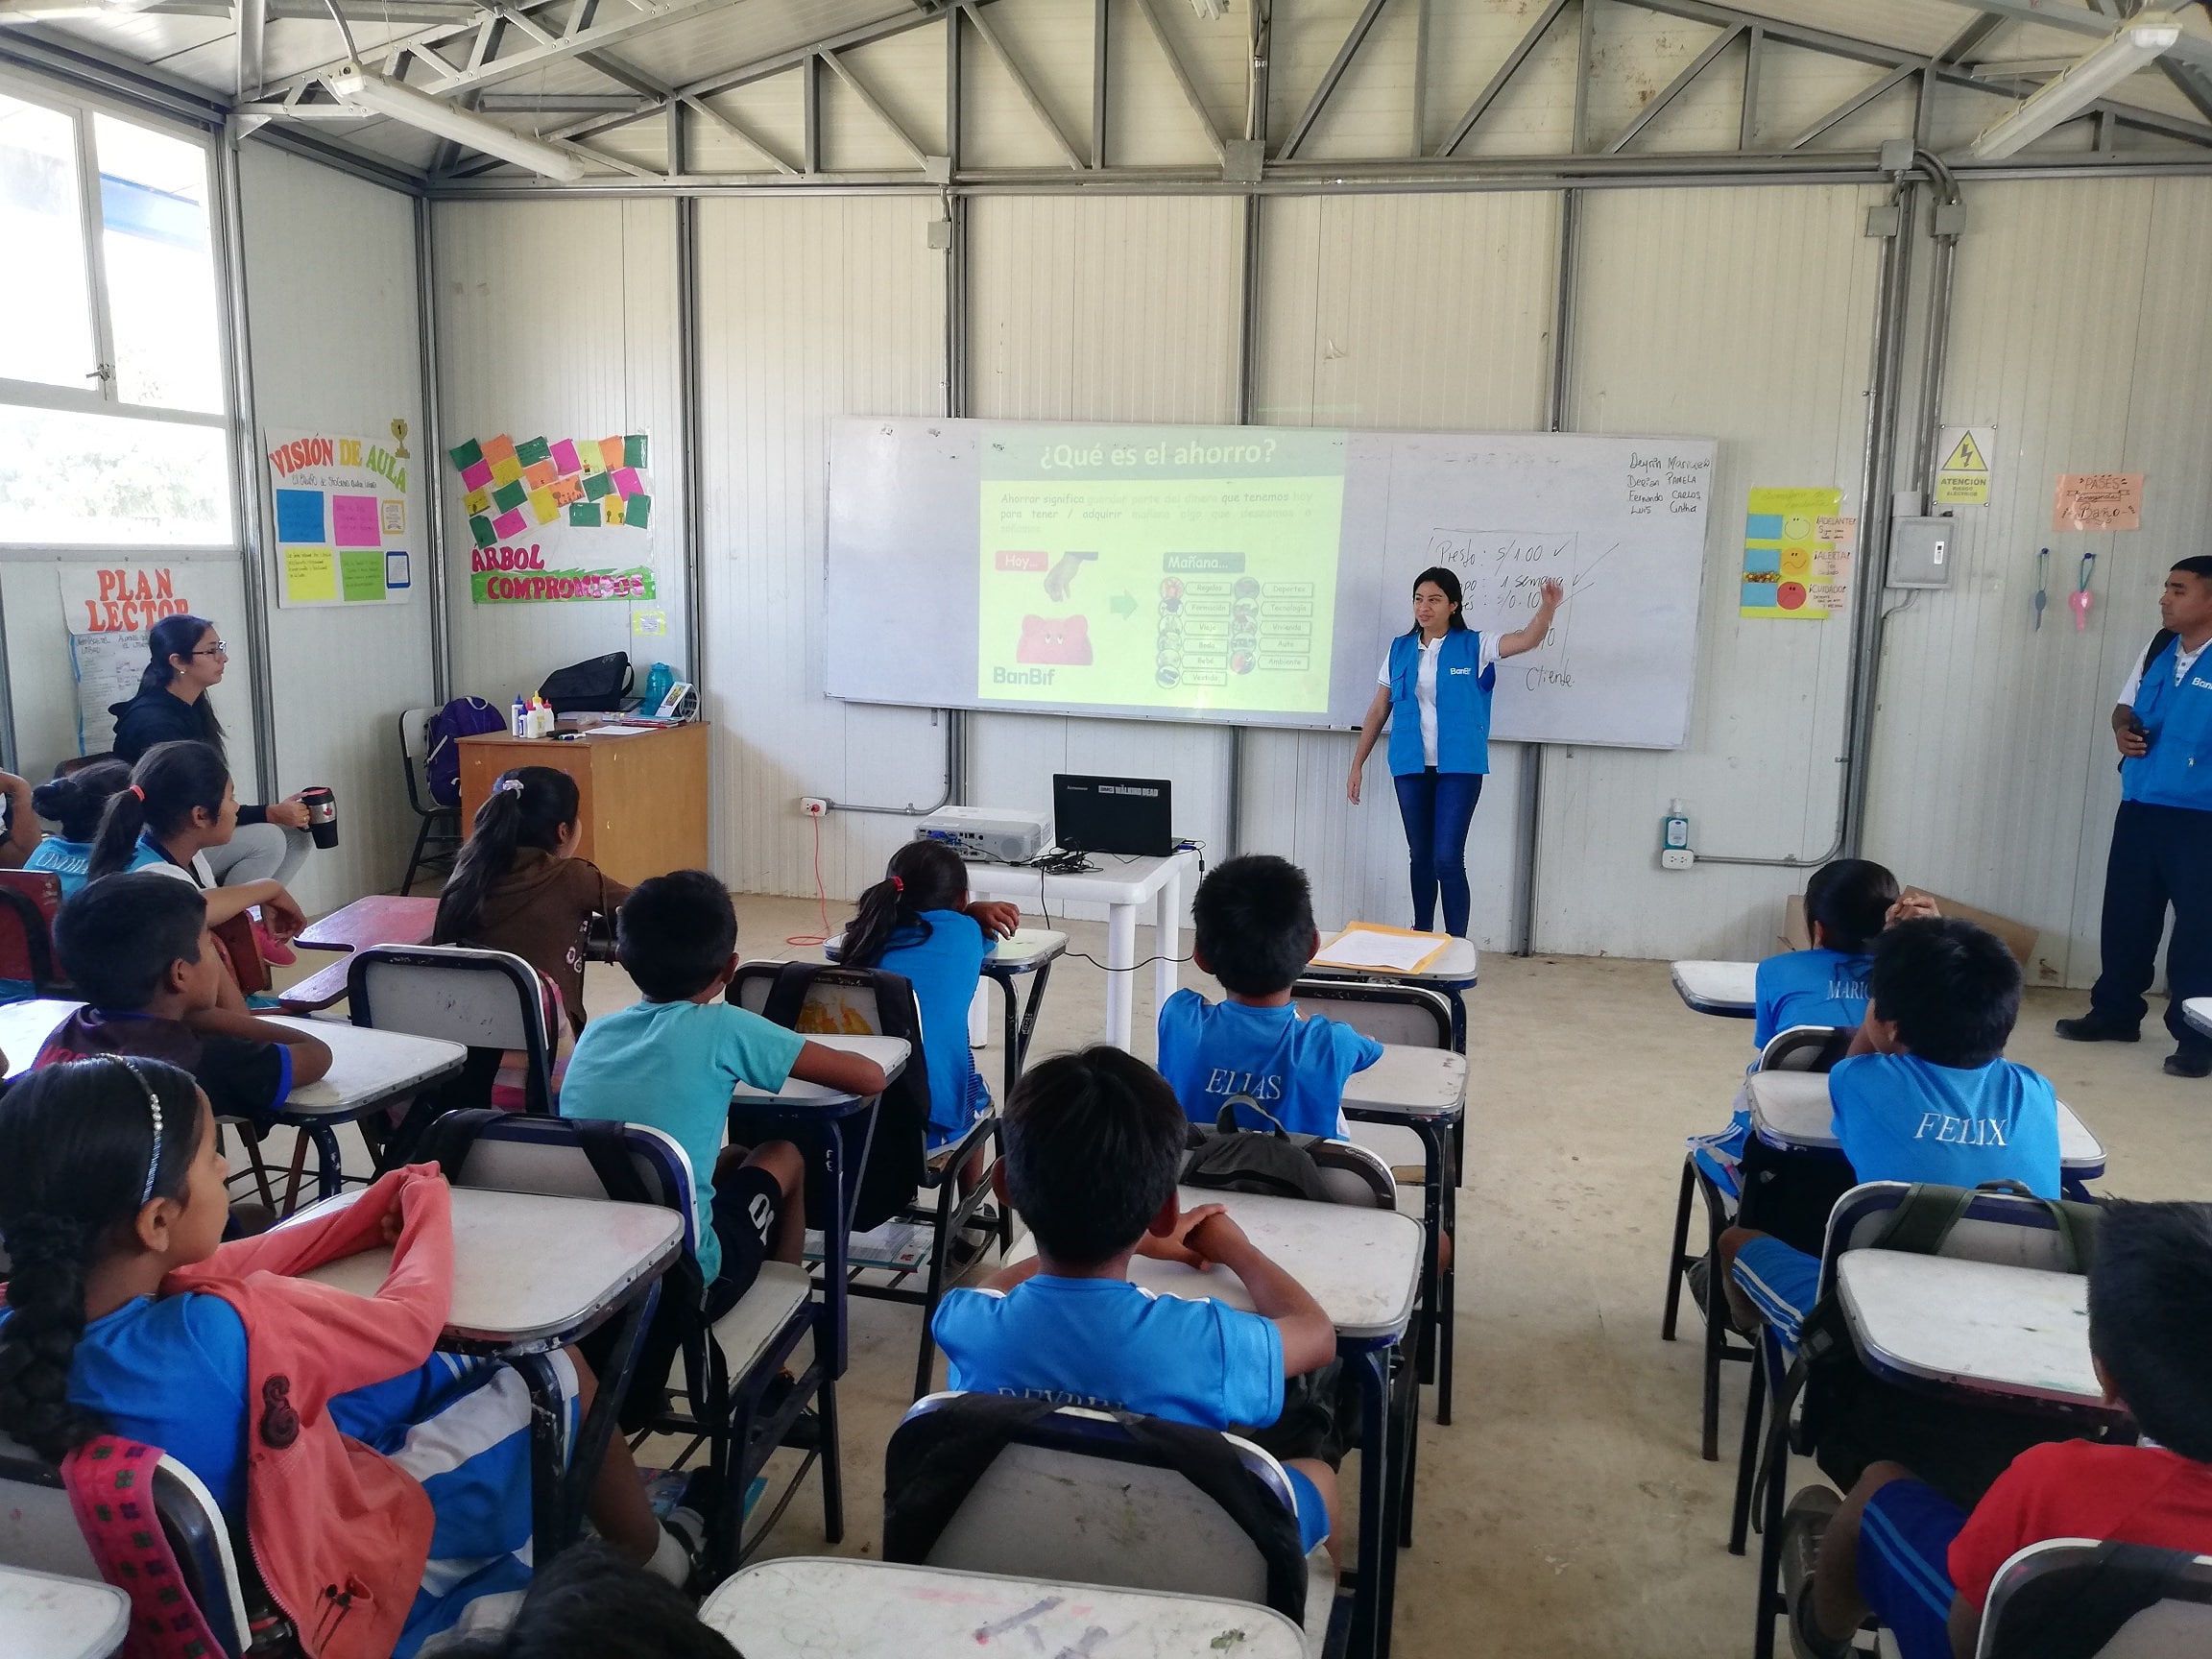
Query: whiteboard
1621, 522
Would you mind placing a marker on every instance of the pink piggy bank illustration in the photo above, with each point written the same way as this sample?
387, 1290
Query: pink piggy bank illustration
1062, 641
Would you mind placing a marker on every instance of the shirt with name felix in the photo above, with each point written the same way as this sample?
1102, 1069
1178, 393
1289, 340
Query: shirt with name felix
1277, 1065
1900, 1118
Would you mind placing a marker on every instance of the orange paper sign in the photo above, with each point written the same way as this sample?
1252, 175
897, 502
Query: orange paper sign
2098, 501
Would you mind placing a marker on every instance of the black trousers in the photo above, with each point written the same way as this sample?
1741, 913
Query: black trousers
2161, 856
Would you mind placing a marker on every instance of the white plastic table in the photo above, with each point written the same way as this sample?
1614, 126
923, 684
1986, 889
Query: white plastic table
2197, 1011
1975, 1326
1408, 1082
888, 1052
25, 1026
45, 1615
1123, 885
806, 1606
1791, 1110
1728, 989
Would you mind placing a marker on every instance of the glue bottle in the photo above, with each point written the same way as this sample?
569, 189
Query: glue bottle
519, 722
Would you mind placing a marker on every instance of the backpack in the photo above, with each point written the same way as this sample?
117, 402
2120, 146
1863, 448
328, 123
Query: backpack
596, 686
462, 717
1272, 1162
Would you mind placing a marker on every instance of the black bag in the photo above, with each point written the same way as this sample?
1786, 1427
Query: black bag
1852, 1418
597, 686
1789, 1194
1272, 1162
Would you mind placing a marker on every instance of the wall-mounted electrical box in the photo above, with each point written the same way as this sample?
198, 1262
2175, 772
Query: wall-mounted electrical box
1922, 552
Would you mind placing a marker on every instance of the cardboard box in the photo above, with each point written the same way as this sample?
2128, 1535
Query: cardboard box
2019, 938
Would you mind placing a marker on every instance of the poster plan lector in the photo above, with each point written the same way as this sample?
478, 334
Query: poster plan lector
1256, 575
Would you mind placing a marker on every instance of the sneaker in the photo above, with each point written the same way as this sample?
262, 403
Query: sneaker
2189, 1063
1698, 1276
1803, 1526
2094, 1028
273, 948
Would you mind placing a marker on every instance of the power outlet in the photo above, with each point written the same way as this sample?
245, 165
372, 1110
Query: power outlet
813, 806
1676, 858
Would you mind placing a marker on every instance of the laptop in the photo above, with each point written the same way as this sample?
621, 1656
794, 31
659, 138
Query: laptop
1129, 815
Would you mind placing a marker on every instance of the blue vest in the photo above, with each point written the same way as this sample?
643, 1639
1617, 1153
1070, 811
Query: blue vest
1462, 704
2177, 772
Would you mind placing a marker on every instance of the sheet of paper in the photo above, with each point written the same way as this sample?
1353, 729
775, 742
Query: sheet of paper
614, 731
1364, 948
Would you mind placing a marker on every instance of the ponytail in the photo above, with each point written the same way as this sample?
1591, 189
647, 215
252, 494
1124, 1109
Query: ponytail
85, 1146
921, 875
528, 806
169, 782
74, 800
179, 636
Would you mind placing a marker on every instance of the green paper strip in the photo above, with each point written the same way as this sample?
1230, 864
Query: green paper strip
536, 449
361, 575
509, 497
596, 485
636, 511
480, 529
634, 450
466, 456
583, 515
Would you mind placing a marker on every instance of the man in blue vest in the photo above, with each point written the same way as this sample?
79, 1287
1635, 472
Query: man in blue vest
2162, 838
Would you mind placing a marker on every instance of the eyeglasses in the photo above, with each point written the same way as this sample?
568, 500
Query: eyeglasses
218, 649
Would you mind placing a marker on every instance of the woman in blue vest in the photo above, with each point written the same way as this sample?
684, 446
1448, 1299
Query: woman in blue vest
2162, 838
1435, 690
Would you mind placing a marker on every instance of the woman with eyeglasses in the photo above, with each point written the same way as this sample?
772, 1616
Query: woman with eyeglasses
187, 657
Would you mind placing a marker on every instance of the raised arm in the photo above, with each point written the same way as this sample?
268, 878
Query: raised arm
1370, 729
1529, 637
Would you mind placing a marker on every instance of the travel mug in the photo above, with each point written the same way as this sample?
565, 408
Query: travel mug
322, 814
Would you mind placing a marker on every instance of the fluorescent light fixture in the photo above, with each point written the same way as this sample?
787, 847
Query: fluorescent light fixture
1208, 10
40, 11
404, 104
2139, 41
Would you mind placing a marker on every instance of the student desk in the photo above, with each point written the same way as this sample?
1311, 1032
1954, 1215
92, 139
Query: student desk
382, 919
1977, 1327
1790, 1111
1123, 885
44, 1616
1424, 1090
1364, 1266
368, 1069
531, 1274
2197, 1011
1728, 989
1451, 972
821, 1120
641, 796
806, 1606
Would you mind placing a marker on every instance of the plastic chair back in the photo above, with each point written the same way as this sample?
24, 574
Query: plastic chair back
29, 901
1805, 1049
1403, 1016
491, 1002
2046, 1580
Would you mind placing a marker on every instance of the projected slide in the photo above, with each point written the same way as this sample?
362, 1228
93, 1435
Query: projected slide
1191, 571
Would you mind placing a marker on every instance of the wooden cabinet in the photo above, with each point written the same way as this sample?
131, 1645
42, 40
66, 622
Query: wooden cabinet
642, 798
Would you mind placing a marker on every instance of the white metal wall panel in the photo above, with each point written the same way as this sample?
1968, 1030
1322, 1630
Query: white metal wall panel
330, 289
1399, 312
2013, 720
809, 310
1743, 315
559, 318
1109, 309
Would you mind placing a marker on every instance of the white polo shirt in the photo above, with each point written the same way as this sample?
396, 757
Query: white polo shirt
2183, 661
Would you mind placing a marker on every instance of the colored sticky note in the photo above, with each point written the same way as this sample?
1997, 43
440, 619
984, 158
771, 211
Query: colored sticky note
611, 510
533, 451
506, 470
467, 455
597, 484
564, 456
300, 516
588, 460
610, 452
310, 573
539, 473
499, 449
477, 476
633, 452
508, 524
627, 481
353, 521
480, 531
567, 489
361, 576
636, 511
509, 497
583, 515
541, 507
476, 501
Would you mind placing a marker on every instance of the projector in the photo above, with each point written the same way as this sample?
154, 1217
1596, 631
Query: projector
989, 834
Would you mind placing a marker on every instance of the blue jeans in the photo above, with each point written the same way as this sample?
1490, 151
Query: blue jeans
1438, 808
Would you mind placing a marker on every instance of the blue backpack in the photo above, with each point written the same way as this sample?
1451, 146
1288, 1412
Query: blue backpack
462, 717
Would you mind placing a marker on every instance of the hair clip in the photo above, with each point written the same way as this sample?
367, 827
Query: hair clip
898, 884
508, 787
135, 790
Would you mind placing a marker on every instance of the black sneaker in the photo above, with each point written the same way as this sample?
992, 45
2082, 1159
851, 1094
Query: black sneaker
2189, 1063
1803, 1526
2095, 1028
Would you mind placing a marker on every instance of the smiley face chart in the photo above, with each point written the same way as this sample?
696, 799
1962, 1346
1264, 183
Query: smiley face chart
1796, 555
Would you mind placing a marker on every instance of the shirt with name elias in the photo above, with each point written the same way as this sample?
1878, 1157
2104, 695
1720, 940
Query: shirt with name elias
1116, 1346
1900, 1118
1816, 987
1279, 1068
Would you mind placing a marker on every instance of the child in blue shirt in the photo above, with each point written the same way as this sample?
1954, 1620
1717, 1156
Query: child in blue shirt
1925, 1095
918, 922
1255, 932
672, 1060
1847, 904
74, 800
1095, 1142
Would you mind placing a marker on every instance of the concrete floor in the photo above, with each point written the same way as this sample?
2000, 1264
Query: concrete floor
1566, 1510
